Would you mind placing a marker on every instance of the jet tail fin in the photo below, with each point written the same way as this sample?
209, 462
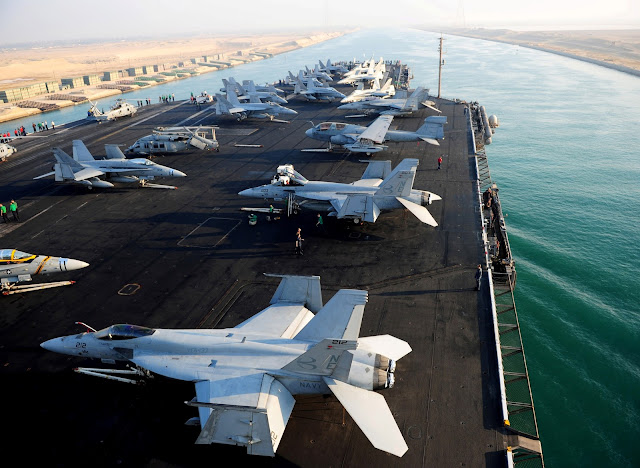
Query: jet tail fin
233, 97
339, 318
371, 413
400, 181
114, 152
64, 158
222, 104
415, 98
80, 152
433, 128
299, 289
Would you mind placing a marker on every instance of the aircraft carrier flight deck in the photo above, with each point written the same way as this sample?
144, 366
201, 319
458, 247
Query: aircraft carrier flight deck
188, 258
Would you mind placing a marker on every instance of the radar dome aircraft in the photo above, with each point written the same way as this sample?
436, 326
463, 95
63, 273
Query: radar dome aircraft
176, 139
246, 376
120, 109
378, 190
17, 267
6, 151
83, 169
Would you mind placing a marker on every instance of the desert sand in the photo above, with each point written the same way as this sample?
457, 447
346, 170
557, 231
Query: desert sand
20, 67
618, 49
25, 66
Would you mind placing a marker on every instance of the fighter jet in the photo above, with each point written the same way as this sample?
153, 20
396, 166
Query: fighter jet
318, 74
254, 108
330, 68
395, 107
248, 90
356, 137
83, 169
17, 266
362, 94
362, 73
378, 190
246, 87
246, 376
120, 109
6, 151
292, 79
176, 139
316, 93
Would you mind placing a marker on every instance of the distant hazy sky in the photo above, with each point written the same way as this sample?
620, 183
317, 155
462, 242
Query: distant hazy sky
38, 20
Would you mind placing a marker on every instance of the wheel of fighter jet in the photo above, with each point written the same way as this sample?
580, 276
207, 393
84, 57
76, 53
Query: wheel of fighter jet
356, 220
217, 150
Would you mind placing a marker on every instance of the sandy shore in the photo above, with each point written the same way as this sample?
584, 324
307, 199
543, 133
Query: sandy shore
617, 49
20, 67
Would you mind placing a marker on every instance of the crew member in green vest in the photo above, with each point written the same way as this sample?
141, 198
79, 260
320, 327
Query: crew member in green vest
13, 207
3, 212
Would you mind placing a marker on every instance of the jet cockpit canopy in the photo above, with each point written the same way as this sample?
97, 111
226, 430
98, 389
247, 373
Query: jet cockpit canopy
123, 332
287, 175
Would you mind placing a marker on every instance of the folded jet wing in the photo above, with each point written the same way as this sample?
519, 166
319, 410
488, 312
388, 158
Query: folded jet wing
377, 130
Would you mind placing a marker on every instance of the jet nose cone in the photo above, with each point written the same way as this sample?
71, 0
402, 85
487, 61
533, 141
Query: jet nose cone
246, 193
76, 264
309, 132
54, 345
176, 173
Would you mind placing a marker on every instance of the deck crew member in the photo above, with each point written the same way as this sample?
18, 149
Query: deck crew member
13, 207
3, 212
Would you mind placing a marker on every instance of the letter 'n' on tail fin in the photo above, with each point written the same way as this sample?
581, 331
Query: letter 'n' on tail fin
400, 181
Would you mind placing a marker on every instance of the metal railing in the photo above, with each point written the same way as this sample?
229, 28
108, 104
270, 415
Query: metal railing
518, 412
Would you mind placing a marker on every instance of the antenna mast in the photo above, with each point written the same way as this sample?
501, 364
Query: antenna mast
440, 64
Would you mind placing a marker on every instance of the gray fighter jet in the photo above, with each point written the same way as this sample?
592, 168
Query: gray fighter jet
378, 190
316, 93
248, 90
361, 139
175, 139
254, 108
331, 68
83, 169
246, 376
395, 107
17, 267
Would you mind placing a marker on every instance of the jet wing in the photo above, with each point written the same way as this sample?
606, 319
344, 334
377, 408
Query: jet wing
250, 410
278, 320
372, 415
87, 173
377, 130
356, 205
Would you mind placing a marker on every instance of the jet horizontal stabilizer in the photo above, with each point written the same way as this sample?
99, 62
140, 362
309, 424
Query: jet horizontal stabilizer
419, 212
371, 413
